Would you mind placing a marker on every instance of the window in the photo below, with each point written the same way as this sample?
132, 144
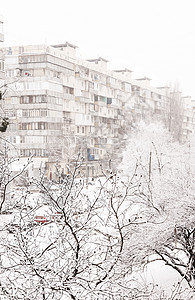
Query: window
33, 126
33, 152
30, 99
95, 97
77, 129
33, 99
43, 113
22, 139
43, 99
83, 129
109, 100
21, 50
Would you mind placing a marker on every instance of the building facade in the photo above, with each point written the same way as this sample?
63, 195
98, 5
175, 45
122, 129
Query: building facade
59, 105
1, 50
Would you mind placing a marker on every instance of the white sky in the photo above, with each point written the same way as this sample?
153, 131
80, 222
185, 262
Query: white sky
155, 38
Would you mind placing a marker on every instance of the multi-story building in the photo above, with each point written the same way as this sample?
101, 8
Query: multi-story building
59, 104
188, 118
1, 51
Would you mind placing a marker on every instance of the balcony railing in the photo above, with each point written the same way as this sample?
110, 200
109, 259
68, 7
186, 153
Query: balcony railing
68, 96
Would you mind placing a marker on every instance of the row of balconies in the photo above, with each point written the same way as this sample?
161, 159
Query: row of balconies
83, 99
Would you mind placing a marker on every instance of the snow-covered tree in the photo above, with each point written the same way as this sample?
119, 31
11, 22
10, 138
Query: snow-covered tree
167, 182
174, 112
4, 121
67, 241
7, 174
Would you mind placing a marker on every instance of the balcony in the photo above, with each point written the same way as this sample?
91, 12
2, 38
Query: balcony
82, 75
93, 90
67, 120
83, 99
68, 96
85, 94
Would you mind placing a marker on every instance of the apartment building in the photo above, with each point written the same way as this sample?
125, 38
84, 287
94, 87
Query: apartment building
1, 50
188, 124
59, 105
